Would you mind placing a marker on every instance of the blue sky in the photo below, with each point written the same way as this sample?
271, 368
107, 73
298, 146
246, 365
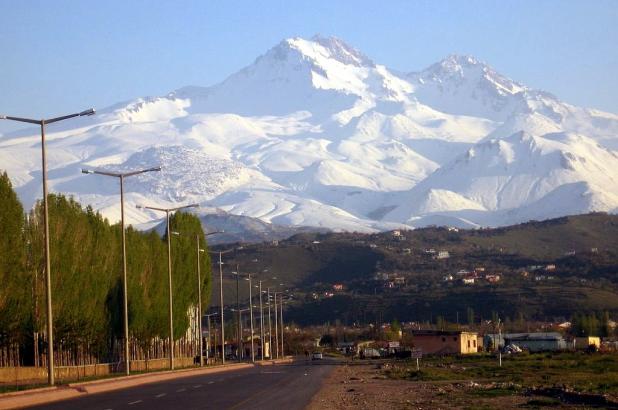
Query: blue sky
60, 56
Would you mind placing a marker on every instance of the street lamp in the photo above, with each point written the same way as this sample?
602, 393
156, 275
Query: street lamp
281, 299
199, 292
239, 327
221, 302
209, 337
270, 329
50, 330
239, 311
121, 177
261, 322
251, 314
169, 268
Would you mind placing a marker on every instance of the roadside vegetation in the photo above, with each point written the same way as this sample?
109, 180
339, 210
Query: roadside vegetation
86, 266
520, 374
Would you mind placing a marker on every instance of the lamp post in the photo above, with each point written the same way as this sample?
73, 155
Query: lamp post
125, 308
239, 327
276, 328
270, 330
209, 336
221, 302
281, 323
169, 269
50, 330
199, 293
261, 322
251, 316
239, 311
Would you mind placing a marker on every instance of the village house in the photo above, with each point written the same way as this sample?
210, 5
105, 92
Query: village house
338, 287
469, 280
585, 342
492, 278
443, 255
463, 272
445, 342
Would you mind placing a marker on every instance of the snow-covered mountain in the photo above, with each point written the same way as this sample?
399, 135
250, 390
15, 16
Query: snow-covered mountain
314, 133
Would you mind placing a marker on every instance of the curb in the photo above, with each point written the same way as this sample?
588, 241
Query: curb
44, 395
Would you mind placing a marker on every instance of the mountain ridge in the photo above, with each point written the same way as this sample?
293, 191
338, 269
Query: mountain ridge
315, 133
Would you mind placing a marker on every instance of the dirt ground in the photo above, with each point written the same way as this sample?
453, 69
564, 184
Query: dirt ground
364, 386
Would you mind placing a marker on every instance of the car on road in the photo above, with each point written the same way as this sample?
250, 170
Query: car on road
317, 356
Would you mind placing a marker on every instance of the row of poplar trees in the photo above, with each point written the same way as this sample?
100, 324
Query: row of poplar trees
86, 266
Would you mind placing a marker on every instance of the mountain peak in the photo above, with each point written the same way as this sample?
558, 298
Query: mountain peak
454, 61
321, 47
342, 51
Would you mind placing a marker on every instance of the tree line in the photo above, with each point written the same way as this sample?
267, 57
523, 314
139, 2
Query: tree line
86, 267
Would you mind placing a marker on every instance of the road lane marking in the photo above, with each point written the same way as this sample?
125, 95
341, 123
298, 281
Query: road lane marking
135, 402
211, 382
160, 395
271, 372
180, 390
197, 386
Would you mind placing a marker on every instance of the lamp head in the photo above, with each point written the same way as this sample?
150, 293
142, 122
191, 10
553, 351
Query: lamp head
87, 112
139, 206
2, 117
87, 171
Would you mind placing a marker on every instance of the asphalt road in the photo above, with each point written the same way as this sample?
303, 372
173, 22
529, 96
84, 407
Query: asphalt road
284, 386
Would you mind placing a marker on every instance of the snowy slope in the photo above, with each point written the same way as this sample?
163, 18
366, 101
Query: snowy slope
503, 181
314, 133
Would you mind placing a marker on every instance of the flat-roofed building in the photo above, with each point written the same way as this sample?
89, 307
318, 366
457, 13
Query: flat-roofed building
445, 342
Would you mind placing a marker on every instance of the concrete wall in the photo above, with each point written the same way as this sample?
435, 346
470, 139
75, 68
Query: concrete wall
38, 374
23, 375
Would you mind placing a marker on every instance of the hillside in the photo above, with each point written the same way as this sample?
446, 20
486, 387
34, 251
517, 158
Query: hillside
544, 270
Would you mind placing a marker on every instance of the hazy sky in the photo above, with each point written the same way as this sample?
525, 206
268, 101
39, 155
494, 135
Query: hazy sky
58, 57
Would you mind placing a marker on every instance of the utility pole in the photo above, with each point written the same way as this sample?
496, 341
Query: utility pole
50, 320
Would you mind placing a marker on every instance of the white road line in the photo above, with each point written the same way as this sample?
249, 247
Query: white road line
271, 372
180, 390
211, 382
160, 395
135, 402
197, 386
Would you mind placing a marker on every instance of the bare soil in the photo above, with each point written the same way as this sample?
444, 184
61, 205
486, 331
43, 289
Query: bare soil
365, 386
